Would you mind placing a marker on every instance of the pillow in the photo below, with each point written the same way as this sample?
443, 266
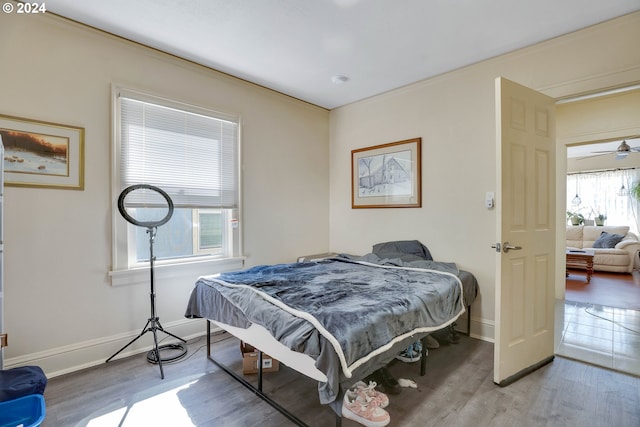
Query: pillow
607, 240
404, 249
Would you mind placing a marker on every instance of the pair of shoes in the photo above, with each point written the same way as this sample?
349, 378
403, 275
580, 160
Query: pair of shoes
413, 353
367, 413
432, 342
369, 393
408, 355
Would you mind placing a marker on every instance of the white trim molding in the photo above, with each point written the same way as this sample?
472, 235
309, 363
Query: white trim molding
85, 354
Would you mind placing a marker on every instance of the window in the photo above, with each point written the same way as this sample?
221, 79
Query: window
193, 155
209, 235
604, 193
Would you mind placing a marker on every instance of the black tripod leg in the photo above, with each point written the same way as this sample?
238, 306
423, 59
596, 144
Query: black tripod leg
159, 327
144, 330
157, 350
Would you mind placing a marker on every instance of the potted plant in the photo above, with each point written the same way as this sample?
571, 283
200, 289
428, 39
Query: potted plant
600, 218
575, 218
634, 191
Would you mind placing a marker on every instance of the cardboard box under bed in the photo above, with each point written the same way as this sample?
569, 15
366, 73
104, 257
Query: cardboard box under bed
250, 360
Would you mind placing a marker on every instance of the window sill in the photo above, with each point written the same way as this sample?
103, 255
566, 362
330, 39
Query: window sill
183, 270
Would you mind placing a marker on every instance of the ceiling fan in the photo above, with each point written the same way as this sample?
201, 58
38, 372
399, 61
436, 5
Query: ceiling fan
621, 152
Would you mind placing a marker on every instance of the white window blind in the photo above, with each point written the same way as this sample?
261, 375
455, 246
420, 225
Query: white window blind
193, 157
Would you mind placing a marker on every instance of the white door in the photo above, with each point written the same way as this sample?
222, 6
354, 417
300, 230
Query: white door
526, 164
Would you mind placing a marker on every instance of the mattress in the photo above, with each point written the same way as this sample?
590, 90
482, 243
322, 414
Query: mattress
239, 301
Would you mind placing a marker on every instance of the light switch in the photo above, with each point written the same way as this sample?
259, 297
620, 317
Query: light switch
489, 199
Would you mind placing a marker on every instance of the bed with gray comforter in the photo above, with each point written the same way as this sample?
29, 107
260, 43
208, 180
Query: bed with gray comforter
352, 315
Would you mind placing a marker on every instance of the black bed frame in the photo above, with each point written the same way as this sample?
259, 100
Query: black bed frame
258, 390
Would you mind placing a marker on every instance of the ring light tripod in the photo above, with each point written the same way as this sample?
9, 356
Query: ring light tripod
153, 323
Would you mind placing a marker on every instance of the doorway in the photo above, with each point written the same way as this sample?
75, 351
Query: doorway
599, 322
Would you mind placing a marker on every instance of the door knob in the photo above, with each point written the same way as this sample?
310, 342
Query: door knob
506, 247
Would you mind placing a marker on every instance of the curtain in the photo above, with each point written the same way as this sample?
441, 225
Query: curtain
606, 193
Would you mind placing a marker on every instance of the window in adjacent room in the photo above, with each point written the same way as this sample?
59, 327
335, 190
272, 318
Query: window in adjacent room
604, 193
193, 155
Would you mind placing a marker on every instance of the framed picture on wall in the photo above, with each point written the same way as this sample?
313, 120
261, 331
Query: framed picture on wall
387, 176
42, 154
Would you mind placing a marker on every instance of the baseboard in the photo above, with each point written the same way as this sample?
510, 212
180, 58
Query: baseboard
482, 329
66, 359
63, 360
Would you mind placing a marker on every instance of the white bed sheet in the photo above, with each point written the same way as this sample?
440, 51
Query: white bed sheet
261, 339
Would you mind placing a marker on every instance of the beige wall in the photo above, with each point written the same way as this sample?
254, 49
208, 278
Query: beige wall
605, 118
61, 311
455, 115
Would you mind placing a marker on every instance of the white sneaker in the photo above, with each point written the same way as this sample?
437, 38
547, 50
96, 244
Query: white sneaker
369, 393
367, 413
409, 355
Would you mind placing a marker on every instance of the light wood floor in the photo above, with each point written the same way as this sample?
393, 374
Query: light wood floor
456, 391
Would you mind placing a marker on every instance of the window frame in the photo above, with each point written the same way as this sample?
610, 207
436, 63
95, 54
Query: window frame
125, 268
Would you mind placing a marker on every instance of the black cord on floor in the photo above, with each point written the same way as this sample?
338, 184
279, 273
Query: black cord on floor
152, 355
215, 338
586, 309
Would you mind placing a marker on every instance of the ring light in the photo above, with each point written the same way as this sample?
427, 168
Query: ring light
153, 323
148, 224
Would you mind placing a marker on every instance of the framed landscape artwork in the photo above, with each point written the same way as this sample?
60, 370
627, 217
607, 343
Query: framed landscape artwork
41, 154
387, 176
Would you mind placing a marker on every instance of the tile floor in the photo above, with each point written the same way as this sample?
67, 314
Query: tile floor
600, 335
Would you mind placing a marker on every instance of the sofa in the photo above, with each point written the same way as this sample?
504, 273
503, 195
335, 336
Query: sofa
612, 252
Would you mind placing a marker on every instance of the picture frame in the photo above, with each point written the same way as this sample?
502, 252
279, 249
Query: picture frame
387, 175
42, 154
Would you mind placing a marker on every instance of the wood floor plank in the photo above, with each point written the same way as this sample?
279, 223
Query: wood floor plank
611, 289
457, 390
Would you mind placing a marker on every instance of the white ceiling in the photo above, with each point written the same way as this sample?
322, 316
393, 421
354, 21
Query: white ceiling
296, 46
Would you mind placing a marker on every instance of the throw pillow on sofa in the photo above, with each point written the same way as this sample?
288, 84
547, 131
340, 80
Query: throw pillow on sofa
607, 240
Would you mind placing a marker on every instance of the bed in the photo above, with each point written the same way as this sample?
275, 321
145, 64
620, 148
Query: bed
337, 319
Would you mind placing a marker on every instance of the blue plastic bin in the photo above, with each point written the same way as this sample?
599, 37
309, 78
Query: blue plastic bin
27, 411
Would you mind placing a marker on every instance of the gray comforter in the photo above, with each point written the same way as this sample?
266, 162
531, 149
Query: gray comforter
344, 313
